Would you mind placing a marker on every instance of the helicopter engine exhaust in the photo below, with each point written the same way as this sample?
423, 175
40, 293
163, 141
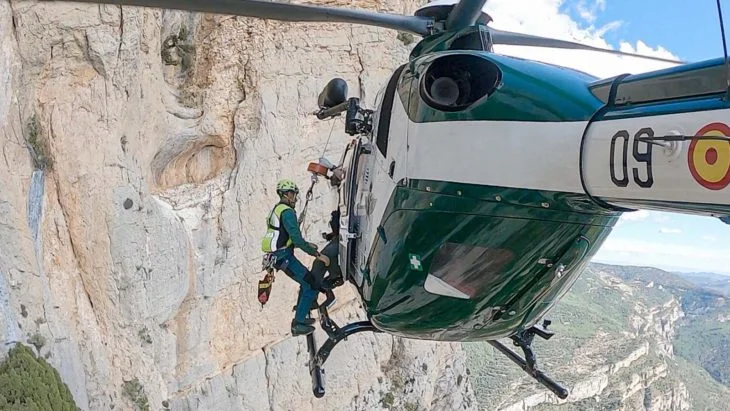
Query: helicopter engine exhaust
456, 81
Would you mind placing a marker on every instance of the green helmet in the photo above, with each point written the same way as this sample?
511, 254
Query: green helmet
286, 185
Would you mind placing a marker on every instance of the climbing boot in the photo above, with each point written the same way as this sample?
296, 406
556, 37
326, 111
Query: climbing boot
301, 329
307, 321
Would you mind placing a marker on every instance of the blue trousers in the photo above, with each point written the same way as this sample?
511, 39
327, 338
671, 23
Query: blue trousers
292, 267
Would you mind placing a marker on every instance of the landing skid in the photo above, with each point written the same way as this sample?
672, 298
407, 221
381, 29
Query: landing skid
529, 363
335, 334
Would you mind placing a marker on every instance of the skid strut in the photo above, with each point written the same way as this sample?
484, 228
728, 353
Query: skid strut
335, 334
523, 340
315, 370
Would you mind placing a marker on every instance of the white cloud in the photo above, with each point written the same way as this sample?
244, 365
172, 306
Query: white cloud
635, 215
710, 238
665, 230
646, 253
638, 247
614, 25
644, 49
660, 217
543, 18
588, 11
632, 216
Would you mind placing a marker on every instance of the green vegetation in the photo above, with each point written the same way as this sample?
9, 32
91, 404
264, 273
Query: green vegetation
144, 335
595, 325
135, 392
714, 282
186, 49
406, 38
179, 50
29, 383
37, 340
387, 400
705, 341
592, 313
38, 144
705, 393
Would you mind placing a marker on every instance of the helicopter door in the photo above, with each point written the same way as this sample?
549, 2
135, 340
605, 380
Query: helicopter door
389, 131
344, 206
370, 184
357, 178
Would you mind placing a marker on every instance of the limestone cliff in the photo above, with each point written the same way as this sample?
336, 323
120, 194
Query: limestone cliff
139, 152
627, 338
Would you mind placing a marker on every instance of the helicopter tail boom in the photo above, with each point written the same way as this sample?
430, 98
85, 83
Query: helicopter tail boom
662, 141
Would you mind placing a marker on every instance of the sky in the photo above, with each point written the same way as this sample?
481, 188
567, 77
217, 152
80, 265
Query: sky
681, 29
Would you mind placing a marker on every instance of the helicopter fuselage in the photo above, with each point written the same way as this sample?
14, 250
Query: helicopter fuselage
470, 222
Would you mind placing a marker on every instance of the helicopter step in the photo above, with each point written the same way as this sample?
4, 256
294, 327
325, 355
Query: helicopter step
335, 334
523, 340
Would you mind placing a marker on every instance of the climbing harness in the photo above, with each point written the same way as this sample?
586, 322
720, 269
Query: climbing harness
269, 259
316, 169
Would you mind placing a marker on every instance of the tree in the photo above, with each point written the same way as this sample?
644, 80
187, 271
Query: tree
30, 383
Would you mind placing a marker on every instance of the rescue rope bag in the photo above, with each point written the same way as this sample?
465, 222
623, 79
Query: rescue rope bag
265, 288
266, 283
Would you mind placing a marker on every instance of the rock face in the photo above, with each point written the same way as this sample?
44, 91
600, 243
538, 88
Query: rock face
624, 340
140, 149
613, 350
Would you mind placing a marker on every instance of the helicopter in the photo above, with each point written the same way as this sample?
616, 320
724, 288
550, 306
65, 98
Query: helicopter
480, 186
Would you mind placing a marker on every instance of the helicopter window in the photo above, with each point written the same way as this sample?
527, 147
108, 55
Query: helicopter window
463, 271
345, 191
346, 186
381, 140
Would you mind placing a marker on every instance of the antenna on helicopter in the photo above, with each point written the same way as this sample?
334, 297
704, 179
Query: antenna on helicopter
724, 49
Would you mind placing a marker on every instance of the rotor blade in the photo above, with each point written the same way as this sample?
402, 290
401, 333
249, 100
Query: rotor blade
518, 39
285, 12
464, 14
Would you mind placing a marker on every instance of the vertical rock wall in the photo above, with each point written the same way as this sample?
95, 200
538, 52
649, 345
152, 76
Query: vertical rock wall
140, 149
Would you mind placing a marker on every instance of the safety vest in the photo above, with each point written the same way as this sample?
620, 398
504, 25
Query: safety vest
276, 236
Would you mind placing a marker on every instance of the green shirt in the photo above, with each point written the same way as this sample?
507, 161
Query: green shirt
290, 224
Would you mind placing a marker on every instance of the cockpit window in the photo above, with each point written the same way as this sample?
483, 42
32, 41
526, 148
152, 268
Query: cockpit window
383, 128
463, 271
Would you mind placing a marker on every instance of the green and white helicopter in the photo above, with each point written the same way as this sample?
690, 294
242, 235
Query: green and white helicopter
480, 186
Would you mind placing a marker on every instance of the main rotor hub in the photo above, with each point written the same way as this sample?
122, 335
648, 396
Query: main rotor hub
439, 11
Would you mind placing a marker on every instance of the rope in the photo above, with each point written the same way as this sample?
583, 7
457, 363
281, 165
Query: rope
310, 193
328, 139
308, 198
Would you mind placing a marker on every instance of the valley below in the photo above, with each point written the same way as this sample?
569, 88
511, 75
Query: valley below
626, 338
